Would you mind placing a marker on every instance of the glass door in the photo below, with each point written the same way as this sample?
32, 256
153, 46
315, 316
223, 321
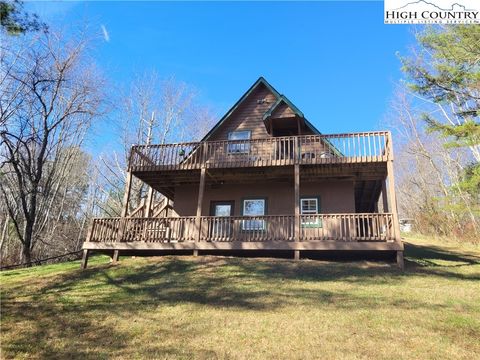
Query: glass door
221, 225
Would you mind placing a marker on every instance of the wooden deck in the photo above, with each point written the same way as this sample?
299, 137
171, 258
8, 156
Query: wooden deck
366, 147
326, 232
229, 232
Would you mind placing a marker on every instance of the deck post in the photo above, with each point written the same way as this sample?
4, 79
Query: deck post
148, 204
116, 255
166, 206
391, 189
126, 200
297, 207
84, 262
296, 254
201, 189
384, 196
126, 196
400, 261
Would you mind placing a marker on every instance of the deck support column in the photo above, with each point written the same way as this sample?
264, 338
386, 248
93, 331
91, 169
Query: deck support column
297, 207
201, 190
116, 255
391, 190
126, 196
84, 262
167, 204
148, 204
393, 200
126, 201
400, 261
384, 196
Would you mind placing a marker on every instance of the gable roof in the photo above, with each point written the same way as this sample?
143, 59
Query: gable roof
280, 98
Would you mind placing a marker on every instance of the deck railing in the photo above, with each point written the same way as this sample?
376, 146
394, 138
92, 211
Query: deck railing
247, 228
347, 227
275, 151
339, 227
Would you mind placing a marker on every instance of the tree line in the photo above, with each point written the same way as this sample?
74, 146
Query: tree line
51, 94
435, 117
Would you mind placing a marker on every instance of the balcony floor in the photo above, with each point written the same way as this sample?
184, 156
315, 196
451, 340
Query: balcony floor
321, 245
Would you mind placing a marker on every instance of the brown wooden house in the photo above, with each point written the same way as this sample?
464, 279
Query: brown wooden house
263, 179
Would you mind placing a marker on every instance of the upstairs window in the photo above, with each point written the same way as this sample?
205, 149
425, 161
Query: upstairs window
239, 147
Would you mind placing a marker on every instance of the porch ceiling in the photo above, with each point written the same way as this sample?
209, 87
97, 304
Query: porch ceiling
367, 193
367, 177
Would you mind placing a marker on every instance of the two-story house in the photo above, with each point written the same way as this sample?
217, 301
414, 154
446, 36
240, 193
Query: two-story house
262, 179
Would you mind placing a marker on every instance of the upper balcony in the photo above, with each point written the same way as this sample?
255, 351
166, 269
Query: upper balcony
364, 147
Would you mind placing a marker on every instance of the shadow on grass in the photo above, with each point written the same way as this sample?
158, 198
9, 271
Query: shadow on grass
65, 316
422, 255
437, 261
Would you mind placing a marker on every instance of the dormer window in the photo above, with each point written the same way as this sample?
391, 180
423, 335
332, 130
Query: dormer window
238, 146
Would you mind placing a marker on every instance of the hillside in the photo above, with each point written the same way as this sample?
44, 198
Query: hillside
216, 307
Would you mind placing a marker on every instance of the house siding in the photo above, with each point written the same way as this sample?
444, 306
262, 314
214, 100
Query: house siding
336, 197
248, 116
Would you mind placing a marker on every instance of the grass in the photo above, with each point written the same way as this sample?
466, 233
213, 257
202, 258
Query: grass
238, 308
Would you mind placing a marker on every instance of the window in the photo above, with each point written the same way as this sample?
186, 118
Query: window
253, 207
310, 207
239, 147
222, 210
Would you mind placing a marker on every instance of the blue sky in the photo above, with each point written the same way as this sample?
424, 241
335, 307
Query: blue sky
335, 60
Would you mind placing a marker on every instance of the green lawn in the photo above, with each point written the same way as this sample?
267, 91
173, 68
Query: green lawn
216, 307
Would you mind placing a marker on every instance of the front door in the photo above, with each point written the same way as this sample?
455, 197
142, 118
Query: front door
221, 225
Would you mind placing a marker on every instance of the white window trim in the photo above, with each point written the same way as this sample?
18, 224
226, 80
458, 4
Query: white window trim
309, 212
307, 223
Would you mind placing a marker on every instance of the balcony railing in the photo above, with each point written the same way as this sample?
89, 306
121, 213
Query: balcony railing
338, 227
276, 151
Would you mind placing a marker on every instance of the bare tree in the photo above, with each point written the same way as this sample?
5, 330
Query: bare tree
50, 92
154, 111
428, 172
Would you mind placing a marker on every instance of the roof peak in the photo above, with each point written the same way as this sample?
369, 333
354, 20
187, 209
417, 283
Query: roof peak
280, 97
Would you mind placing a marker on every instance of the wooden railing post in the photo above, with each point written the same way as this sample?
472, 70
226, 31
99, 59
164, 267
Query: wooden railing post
121, 228
91, 228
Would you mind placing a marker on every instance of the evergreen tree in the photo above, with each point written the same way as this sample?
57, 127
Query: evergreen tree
14, 20
446, 71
